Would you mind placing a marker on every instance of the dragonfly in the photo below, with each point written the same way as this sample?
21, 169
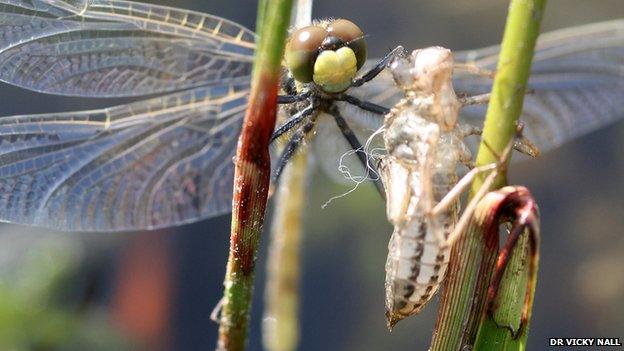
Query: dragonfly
166, 159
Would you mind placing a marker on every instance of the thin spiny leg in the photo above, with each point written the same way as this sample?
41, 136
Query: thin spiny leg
460, 187
373, 72
355, 144
465, 181
463, 221
522, 144
481, 99
289, 99
365, 105
474, 69
526, 146
293, 121
290, 149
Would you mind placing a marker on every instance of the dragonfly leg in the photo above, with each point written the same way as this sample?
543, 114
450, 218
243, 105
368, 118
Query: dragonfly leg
462, 185
526, 146
373, 72
480, 99
521, 144
474, 69
289, 99
524, 217
365, 105
465, 155
355, 144
294, 120
291, 147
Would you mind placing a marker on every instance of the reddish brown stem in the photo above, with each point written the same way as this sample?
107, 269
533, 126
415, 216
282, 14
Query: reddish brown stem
252, 174
251, 184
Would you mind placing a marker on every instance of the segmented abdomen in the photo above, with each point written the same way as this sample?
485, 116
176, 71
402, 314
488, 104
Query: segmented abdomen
415, 267
416, 263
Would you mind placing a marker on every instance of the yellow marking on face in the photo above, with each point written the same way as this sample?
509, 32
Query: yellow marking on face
334, 70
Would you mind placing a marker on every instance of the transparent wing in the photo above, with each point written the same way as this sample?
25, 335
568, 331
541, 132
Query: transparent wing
110, 48
577, 83
154, 163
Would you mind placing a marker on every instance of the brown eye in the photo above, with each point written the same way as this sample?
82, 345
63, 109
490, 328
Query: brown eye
301, 51
351, 34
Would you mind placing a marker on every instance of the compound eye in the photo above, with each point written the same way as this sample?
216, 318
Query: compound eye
352, 36
301, 51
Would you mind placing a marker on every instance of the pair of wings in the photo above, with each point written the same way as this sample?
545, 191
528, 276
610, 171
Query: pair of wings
167, 160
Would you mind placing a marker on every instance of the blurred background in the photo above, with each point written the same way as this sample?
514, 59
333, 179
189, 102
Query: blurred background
156, 290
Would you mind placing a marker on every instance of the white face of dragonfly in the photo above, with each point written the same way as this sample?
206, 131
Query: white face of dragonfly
428, 76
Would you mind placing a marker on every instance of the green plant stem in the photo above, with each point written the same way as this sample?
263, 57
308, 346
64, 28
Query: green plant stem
280, 323
510, 299
473, 256
512, 75
509, 302
251, 176
280, 330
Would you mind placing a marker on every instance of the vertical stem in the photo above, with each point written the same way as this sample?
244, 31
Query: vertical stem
462, 301
512, 75
280, 327
281, 316
251, 176
261, 13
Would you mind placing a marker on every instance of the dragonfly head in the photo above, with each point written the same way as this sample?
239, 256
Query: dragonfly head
327, 53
